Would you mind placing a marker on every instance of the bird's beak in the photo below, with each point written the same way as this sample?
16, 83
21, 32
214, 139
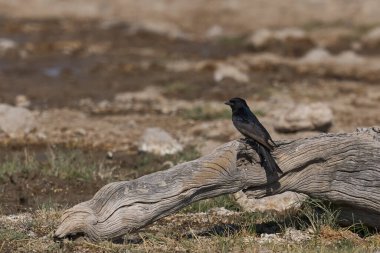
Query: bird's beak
228, 103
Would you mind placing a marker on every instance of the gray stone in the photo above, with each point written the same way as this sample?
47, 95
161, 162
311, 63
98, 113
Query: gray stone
290, 33
316, 56
270, 238
7, 44
158, 141
22, 101
279, 202
148, 95
168, 29
322, 56
301, 117
224, 71
16, 121
349, 58
372, 38
294, 235
221, 211
260, 38
215, 31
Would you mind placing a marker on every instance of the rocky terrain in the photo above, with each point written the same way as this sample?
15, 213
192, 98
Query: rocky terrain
86, 99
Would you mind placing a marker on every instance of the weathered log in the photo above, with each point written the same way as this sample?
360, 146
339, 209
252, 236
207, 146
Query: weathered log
342, 168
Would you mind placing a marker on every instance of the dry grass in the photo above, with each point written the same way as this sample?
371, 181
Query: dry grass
212, 225
214, 230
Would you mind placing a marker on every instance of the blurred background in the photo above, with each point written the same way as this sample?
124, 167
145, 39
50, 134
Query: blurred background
97, 91
94, 91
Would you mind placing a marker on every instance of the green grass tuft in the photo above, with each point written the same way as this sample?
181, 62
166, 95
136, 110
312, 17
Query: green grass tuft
313, 215
8, 234
70, 165
57, 163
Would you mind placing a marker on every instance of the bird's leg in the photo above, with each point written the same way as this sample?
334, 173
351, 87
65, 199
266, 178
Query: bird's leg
246, 141
273, 143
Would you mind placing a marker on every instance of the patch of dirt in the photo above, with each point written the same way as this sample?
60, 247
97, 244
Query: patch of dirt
58, 176
29, 186
75, 74
96, 74
23, 192
58, 62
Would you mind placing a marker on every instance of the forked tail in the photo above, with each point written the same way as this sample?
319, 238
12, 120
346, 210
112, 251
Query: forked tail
267, 161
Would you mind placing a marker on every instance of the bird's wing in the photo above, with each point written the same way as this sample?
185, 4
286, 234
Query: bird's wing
254, 120
254, 132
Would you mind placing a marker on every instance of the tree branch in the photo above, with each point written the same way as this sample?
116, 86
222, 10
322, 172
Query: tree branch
342, 168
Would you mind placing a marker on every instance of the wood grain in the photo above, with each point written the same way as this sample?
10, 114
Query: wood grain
342, 168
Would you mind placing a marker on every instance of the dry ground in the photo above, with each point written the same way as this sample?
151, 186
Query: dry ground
89, 82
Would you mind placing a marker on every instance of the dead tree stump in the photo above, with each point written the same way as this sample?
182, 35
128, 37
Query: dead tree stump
342, 168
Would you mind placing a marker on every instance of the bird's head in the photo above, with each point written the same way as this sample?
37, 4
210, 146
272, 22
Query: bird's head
236, 103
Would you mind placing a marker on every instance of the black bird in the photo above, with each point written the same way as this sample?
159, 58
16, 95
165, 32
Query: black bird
248, 125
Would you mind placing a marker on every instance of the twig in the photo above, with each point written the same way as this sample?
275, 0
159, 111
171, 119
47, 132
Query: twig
2, 245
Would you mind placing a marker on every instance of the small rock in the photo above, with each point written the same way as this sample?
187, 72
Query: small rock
316, 55
316, 116
16, 121
148, 99
31, 234
158, 141
69, 47
148, 95
357, 46
260, 38
7, 44
22, 101
214, 31
180, 66
221, 211
109, 155
279, 202
80, 132
170, 30
104, 104
290, 33
98, 48
41, 135
268, 238
223, 71
372, 38
295, 235
349, 58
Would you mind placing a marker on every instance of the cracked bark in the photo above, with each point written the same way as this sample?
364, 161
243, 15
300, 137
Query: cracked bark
342, 168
